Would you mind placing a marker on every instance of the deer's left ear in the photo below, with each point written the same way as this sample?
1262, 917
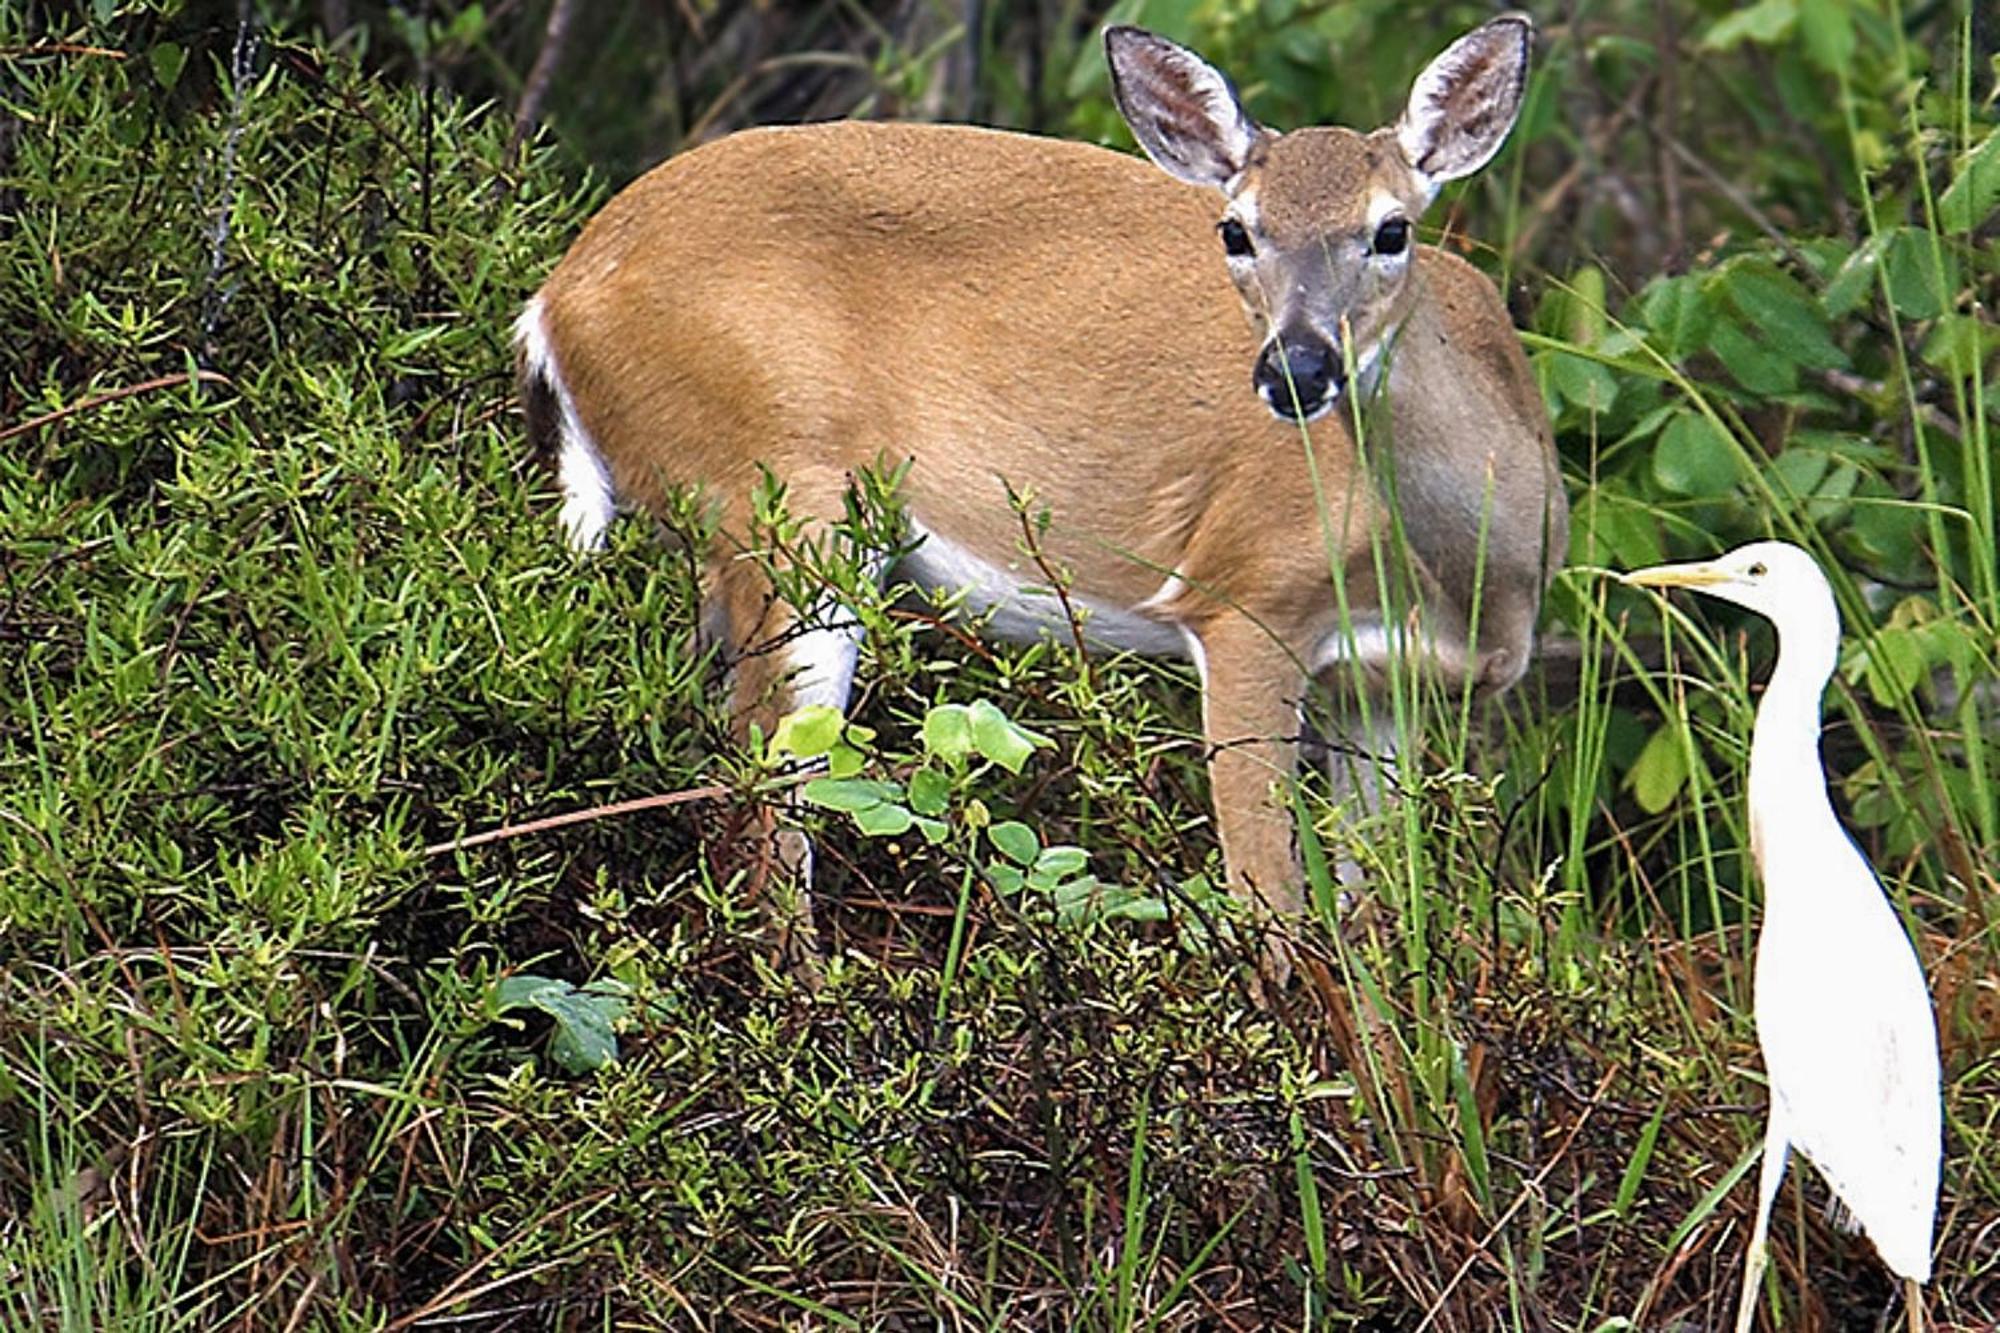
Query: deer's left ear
1464, 103
1183, 111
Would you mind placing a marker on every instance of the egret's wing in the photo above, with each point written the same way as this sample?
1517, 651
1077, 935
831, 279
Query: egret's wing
1850, 1044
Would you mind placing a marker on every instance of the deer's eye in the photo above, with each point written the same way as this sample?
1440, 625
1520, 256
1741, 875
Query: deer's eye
1392, 237
1235, 240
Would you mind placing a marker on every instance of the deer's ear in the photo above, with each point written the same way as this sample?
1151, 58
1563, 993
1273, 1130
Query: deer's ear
1464, 103
1183, 111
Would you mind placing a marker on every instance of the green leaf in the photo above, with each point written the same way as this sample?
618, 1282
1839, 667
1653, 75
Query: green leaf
849, 794
883, 821
1583, 383
524, 992
1895, 666
808, 733
935, 831
1006, 880
948, 733
1061, 862
930, 792
168, 59
1000, 740
1752, 365
1913, 280
1823, 478
844, 761
1854, 280
1635, 1170
1623, 534
1766, 23
1975, 187
1828, 28
584, 1018
1661, 770
1677, 313
1692, 457
584, 1039
1016, 841
1780, 308
1958, 342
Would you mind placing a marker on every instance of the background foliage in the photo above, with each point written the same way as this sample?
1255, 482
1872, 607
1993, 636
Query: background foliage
284, 615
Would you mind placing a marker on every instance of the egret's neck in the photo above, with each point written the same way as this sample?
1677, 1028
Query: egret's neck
1787, 780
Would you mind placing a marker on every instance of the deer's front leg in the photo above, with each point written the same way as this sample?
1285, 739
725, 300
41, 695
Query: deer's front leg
1251, 687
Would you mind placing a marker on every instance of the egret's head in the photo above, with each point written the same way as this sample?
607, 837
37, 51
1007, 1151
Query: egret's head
1777, 580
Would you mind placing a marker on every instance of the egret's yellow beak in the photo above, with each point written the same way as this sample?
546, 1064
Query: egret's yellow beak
1693, 574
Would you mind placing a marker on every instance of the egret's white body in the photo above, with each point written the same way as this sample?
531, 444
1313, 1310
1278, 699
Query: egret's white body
1843, 1015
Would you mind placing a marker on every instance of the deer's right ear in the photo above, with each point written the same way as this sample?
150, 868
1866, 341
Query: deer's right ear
1183, 111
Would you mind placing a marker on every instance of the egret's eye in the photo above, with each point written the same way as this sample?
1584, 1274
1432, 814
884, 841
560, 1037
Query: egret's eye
1759, 570
1392, 237
1235, 240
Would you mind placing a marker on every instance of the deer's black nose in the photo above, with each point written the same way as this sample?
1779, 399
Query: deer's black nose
1297, 377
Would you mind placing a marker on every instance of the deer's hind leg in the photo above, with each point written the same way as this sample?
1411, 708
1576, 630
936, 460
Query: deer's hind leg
782, 656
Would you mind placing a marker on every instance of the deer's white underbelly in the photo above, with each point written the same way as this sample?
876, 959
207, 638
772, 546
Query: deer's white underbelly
1023, 606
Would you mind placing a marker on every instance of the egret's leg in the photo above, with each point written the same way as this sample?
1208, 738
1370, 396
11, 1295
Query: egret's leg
1913, 1301
1776, 1148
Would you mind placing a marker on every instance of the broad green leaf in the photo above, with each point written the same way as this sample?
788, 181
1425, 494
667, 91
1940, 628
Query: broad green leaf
1957, 342
883, 821
1766, 23
1661, 770
1622, 534
1583, 383
1782, 311
1913, 280
168, 58
1692, 457
1894, 663
525, 992
1016, 841
1754, 367
1006, 880
1061, 862
584, 1039
1888, 535
999, 739
930, 792
1587, 320
808, 733
1854, 281
1678, 315
1822, 478
1828, 29
948, 733
935, 831
1975, 187
844, 761
849, 794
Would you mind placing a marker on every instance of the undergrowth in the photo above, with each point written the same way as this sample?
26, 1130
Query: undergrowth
284, 619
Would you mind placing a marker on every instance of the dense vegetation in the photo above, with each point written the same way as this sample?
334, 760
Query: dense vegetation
284, 615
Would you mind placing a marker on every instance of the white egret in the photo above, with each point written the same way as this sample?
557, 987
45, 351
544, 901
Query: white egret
1843, 1016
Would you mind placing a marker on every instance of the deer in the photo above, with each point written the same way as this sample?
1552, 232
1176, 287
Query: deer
992, 313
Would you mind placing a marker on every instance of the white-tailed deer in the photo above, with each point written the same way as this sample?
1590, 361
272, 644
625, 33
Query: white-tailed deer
1000, 310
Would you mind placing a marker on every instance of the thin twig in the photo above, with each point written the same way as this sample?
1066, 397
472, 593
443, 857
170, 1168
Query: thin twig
612, 811
555, 37
129, 391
